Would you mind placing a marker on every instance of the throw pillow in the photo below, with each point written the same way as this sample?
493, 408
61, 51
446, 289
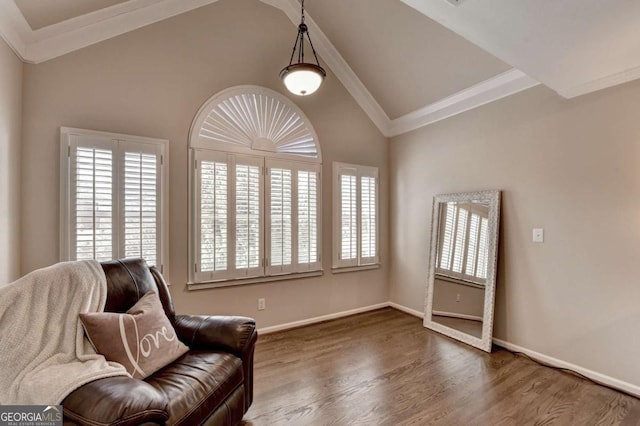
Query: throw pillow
142, 340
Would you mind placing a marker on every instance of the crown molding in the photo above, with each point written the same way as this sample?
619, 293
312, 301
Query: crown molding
73, 34
600, 83
492, 89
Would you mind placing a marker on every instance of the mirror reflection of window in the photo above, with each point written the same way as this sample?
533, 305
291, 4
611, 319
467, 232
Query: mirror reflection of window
463, 243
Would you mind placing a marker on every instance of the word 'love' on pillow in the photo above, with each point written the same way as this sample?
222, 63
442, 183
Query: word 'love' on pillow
142, 340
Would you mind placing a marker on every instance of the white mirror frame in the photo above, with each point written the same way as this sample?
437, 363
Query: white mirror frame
493, 197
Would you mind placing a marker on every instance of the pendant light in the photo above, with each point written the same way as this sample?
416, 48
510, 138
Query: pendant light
302, 78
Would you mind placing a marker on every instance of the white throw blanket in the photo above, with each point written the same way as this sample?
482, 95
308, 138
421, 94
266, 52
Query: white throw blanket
44, 354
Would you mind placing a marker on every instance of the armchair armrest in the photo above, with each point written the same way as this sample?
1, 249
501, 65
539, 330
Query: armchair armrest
236, 335
230, 334
120, 401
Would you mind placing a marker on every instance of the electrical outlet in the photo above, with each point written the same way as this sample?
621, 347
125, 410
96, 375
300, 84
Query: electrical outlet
458, 297
538, 235
262, 304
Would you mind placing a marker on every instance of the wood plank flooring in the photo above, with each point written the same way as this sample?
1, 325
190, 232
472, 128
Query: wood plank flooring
384, 368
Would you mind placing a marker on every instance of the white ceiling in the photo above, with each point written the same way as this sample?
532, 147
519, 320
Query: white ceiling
572, 46
39, 13
408, 63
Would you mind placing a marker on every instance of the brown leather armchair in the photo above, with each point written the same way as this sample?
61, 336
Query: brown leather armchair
211, 384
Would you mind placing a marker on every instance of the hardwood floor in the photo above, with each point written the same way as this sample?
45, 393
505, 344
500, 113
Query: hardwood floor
384, 368
473, 328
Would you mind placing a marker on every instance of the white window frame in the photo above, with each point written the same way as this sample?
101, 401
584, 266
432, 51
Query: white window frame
117, 143
359, 262
261, 123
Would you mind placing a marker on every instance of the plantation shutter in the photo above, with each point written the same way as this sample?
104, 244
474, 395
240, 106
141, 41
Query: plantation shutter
111, 197
355, 215
348, 216
368, 217
248, 217
140, 206
463, 243
92, 198
270, 222
212, 184
280, 218
228, 188
308, 218
481, 271
292, 218
472, 245
449, 221
213, 216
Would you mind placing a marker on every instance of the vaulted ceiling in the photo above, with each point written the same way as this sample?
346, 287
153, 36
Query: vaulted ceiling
408, 63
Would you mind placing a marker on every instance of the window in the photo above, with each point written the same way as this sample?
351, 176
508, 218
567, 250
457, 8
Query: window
255, 190
463, 242
355, 218
113, 203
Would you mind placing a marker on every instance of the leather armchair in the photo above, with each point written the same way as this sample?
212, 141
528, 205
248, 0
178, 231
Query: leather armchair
211, 384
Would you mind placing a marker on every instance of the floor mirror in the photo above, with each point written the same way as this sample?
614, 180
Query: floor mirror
462, 266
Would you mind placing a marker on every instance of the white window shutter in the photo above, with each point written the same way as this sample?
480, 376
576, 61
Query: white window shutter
213, 216
459, 243
112, 199
248, 217
481, 271
213, 231
472, 245
140, 205
463, 242
280, 220
368, 217
355, 215
293, 209
92, 199
308, 218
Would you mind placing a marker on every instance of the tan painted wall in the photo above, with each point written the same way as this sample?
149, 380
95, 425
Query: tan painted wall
10, 146
151, 82
569, 166
444, 298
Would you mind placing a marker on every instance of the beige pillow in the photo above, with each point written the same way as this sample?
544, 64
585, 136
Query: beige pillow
142, 340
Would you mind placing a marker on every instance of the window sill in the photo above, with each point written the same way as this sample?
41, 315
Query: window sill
458, 281
256, 280
345, 269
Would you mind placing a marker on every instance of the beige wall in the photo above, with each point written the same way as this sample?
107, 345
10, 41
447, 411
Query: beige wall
151, 82
10, 137
445, 298
571, 167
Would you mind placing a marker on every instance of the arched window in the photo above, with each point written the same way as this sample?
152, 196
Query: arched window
255, 189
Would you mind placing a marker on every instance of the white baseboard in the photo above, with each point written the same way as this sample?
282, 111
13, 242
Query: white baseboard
620, 385
457, 315
558, 363
314, 320
406, 310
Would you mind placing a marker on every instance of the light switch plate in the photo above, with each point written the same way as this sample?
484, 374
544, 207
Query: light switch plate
538, 235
